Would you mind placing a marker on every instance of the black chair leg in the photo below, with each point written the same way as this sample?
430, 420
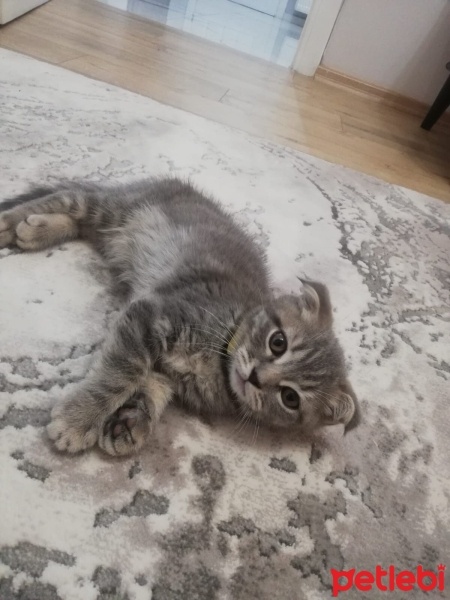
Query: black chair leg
439, 106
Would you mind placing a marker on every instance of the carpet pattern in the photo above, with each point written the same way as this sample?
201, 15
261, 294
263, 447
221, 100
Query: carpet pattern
210, 510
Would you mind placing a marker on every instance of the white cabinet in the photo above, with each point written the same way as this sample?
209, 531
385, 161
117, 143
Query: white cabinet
10, 9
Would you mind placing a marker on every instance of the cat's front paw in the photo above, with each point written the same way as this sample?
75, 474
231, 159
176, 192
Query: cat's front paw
71, 432
127, 429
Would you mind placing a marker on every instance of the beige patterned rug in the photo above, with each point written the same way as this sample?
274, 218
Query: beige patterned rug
208, 511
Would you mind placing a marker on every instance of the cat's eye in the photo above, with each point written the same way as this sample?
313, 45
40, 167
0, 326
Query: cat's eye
290, 398
278, 343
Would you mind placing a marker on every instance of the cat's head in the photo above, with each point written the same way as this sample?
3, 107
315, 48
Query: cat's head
286, 366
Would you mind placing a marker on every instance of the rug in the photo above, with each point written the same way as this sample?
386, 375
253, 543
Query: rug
210, 510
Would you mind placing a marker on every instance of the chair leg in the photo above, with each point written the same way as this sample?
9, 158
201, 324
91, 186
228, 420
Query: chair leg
438, 107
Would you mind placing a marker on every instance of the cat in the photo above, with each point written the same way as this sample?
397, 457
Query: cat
199, 323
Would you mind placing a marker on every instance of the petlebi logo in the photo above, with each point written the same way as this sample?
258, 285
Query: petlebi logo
388, 580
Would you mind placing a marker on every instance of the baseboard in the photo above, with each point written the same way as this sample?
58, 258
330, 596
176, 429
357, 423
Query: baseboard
403, 103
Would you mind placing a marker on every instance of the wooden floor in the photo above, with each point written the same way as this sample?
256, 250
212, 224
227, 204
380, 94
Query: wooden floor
343, 126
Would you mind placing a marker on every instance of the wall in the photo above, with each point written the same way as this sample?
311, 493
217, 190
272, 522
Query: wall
399, 45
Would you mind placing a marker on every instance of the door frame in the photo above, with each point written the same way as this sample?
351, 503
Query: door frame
315, 35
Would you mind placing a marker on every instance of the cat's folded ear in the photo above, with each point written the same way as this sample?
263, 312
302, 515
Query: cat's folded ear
316, 300
343, 408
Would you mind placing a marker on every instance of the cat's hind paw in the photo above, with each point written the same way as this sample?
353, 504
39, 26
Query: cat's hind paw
69, 433
31, 232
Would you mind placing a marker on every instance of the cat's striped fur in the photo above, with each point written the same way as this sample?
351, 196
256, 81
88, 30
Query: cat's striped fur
191, 280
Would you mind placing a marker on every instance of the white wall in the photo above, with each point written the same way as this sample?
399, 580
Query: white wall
399, 45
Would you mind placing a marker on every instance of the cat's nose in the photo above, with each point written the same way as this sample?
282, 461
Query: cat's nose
253, 379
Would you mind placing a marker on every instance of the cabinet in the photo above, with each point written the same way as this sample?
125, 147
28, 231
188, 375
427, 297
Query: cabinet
10, 9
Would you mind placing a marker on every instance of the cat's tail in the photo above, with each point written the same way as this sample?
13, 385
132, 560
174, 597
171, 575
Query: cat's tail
46, 215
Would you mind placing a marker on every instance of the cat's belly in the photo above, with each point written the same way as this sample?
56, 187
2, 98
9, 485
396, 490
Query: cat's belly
199, 381
147, 251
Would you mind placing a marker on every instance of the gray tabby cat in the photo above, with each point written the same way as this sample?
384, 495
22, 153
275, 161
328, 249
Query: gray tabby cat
199, 322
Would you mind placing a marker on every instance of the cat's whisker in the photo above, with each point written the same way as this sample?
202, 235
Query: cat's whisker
217, 319
239, 413
220, 353
319, 396
324, 399
241, 416
215, 332
209, 344
244, 421
201, 345
324, 394
256, 431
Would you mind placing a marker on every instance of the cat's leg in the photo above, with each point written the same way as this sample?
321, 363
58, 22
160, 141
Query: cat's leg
126, 430
41, 231
40, 222
7, 225
125, 369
